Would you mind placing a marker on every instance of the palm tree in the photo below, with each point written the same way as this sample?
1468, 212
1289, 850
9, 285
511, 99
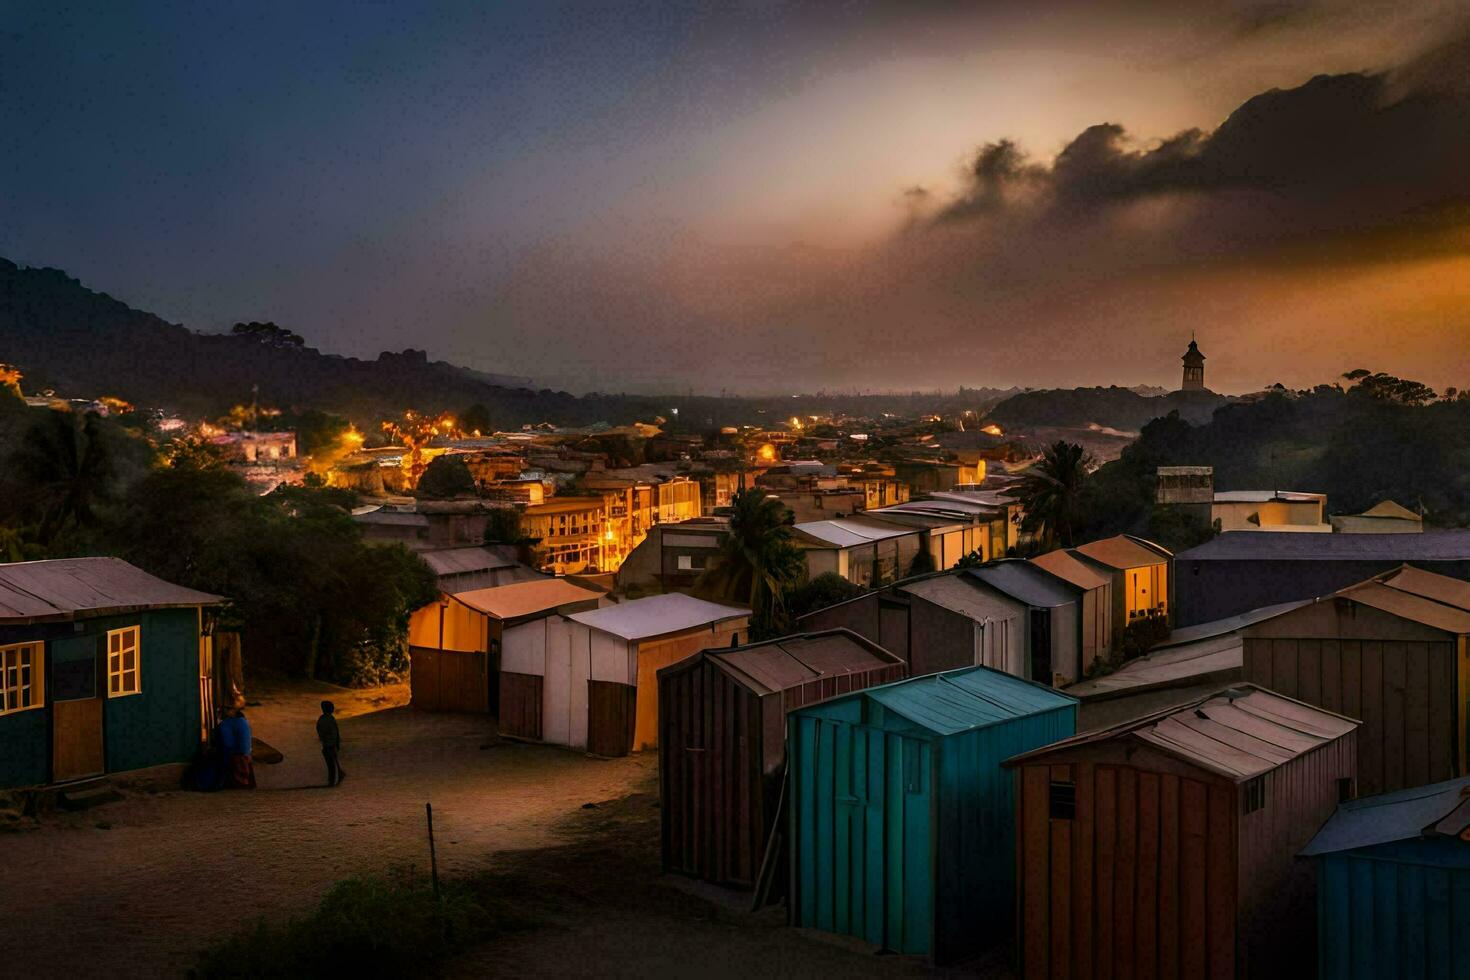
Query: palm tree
1051, 493
66, 465
758, 561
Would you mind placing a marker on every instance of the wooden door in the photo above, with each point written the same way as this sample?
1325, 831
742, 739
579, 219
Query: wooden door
76, 711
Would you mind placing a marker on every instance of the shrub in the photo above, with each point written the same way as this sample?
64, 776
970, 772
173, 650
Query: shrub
391, 925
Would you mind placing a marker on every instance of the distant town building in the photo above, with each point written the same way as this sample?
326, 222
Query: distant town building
1194, 369
1270, 510
1386, 517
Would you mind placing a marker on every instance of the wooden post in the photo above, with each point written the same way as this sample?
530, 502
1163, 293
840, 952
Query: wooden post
433, 859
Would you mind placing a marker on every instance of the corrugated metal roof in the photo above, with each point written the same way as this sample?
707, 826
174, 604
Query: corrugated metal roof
525, 598
1440, 808
952, 591
850, 532
449, 561
1412, 607
966, 699
657, 615
1388, 508
1121, 551
1064, 566
1239, 732
1442, 545
1026, 583
1178, 666
64, 588
791, 661
1440, 588
1265, 496
1230, 624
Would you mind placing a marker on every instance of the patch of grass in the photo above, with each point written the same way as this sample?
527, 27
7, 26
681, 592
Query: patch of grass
391, 925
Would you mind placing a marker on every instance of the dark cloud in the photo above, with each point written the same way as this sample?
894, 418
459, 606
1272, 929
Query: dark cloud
1347, 154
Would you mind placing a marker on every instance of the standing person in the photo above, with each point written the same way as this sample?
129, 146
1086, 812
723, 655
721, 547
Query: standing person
331, 739
236, 741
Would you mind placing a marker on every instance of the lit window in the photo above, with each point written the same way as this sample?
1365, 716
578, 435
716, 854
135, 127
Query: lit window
122, 662
21, 678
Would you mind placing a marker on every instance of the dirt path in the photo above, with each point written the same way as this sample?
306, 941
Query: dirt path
136, 888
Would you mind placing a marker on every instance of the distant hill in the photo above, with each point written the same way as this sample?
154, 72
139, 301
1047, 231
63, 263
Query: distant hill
82, 343
1115, 408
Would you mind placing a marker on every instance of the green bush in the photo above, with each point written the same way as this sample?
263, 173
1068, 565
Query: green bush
373, 926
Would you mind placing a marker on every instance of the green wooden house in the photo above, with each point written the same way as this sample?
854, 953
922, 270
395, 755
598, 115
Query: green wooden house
103, 669
902, 818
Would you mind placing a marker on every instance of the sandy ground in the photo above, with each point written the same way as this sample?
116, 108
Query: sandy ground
136, 888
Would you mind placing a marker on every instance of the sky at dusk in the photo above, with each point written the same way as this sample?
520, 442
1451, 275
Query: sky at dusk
765, 196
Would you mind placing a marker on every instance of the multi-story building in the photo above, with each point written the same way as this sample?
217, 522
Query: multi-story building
572, 533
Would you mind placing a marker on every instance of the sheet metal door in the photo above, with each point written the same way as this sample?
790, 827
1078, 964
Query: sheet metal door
862, 804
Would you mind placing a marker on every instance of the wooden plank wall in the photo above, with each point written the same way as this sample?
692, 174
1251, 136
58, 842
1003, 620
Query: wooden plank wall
448, 680
611, 712
1140, 884
520, 705
1404, 691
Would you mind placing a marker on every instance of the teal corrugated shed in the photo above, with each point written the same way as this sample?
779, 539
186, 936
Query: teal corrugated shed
1393, 885
902, 819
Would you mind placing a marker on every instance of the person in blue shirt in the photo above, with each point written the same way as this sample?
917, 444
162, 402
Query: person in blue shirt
236, 741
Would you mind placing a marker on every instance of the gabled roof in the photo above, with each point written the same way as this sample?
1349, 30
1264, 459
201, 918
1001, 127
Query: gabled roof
657, 615
451, 561
70, 588
1407, 605
1123, 551
776, 665
1443, 545
1440, 809
953, 591
1024, 582
850, 532
1061, 564
1390, 509
1441, 588
965, 700
1228, 625
1239, 732
521, 599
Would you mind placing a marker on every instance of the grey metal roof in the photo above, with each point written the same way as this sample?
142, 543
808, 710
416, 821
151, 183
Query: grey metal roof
1442, 545
68, 588
1230, 624
953, 591
1025, 583
657, 615
450, 561
1440, 808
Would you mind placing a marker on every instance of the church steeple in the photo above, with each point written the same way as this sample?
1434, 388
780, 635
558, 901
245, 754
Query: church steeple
1194, 368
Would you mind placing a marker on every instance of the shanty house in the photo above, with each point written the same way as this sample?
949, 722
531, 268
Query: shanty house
1053, 640
614, 656
1166, 846
1237, 571
1385, 517
1139, 571
486, 650
103, 668
476, 567
955, 622
1393, 885
1391, 651
1095, 601
864, 551
722, 741
902, 819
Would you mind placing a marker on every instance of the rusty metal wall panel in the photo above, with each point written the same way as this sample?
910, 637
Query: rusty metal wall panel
1277, 891
721, 755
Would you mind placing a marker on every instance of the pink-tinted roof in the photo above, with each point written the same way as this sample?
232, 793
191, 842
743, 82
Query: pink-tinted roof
1069, 569
1121, 551
519, 599
65, 588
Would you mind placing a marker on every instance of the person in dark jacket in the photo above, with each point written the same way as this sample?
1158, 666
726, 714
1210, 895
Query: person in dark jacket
331, 739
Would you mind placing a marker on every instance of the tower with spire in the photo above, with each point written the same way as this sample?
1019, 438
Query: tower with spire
1194, 368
